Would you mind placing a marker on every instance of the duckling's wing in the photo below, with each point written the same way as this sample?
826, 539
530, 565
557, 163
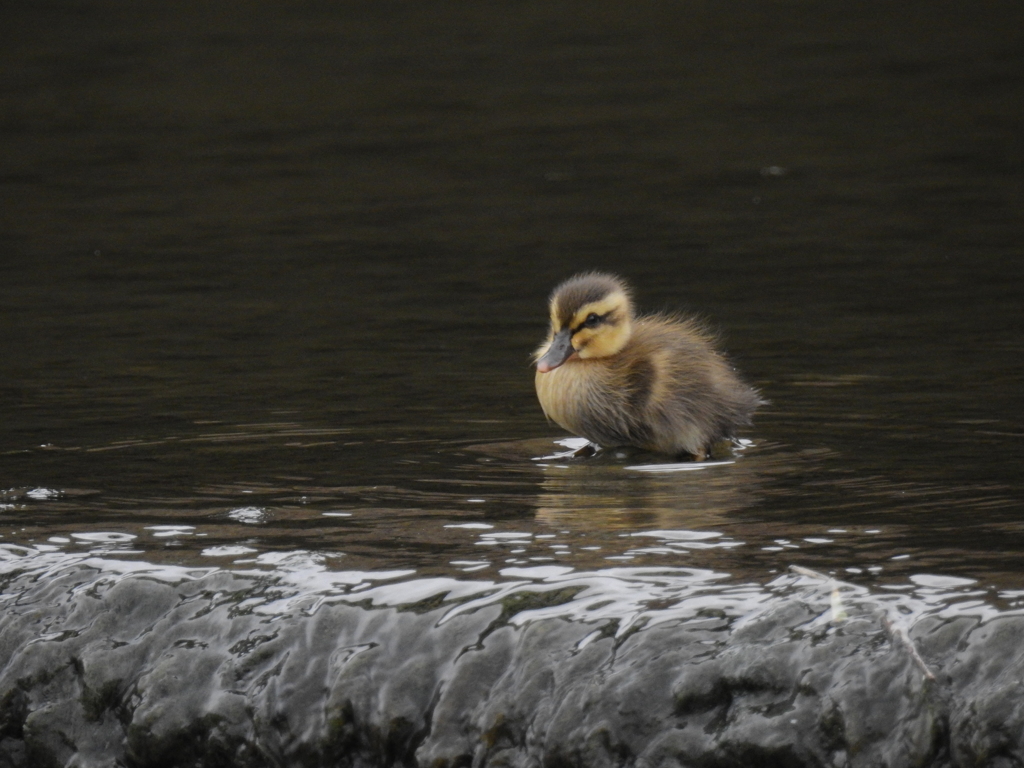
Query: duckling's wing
694, 397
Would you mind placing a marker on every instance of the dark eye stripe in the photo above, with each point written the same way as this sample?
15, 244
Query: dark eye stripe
588, 323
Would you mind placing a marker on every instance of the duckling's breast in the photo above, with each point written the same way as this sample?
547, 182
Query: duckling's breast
581, 397
561, 392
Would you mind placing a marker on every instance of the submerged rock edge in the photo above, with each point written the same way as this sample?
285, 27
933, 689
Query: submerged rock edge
139, 671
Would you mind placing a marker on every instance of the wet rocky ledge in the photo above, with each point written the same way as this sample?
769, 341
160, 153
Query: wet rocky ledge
113, 663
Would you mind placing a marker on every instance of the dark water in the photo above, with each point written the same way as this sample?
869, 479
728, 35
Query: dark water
271, 276
296, 259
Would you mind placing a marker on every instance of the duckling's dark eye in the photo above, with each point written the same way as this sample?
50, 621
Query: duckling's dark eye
592, 320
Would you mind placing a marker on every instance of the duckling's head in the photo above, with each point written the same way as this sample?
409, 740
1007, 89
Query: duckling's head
591, 317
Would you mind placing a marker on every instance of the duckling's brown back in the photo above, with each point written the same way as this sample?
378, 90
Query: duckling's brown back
693, 396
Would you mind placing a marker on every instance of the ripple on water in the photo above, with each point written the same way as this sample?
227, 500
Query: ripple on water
628, 596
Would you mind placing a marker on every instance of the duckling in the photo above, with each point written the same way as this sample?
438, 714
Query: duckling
655, 382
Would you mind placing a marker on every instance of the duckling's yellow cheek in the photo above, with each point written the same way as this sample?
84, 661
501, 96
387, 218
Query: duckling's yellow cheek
603, 341
581, 340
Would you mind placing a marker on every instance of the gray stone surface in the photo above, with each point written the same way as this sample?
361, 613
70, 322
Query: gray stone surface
208, 671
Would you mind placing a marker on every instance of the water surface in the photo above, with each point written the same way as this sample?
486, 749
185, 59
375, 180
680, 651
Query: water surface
271, 281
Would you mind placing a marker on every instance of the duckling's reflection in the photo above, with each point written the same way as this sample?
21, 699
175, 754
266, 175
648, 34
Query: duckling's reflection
610, 494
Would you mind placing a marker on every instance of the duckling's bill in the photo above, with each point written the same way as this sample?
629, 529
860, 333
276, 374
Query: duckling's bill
559, 350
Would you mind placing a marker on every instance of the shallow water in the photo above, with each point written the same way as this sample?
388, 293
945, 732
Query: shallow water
271, 281
293, 312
